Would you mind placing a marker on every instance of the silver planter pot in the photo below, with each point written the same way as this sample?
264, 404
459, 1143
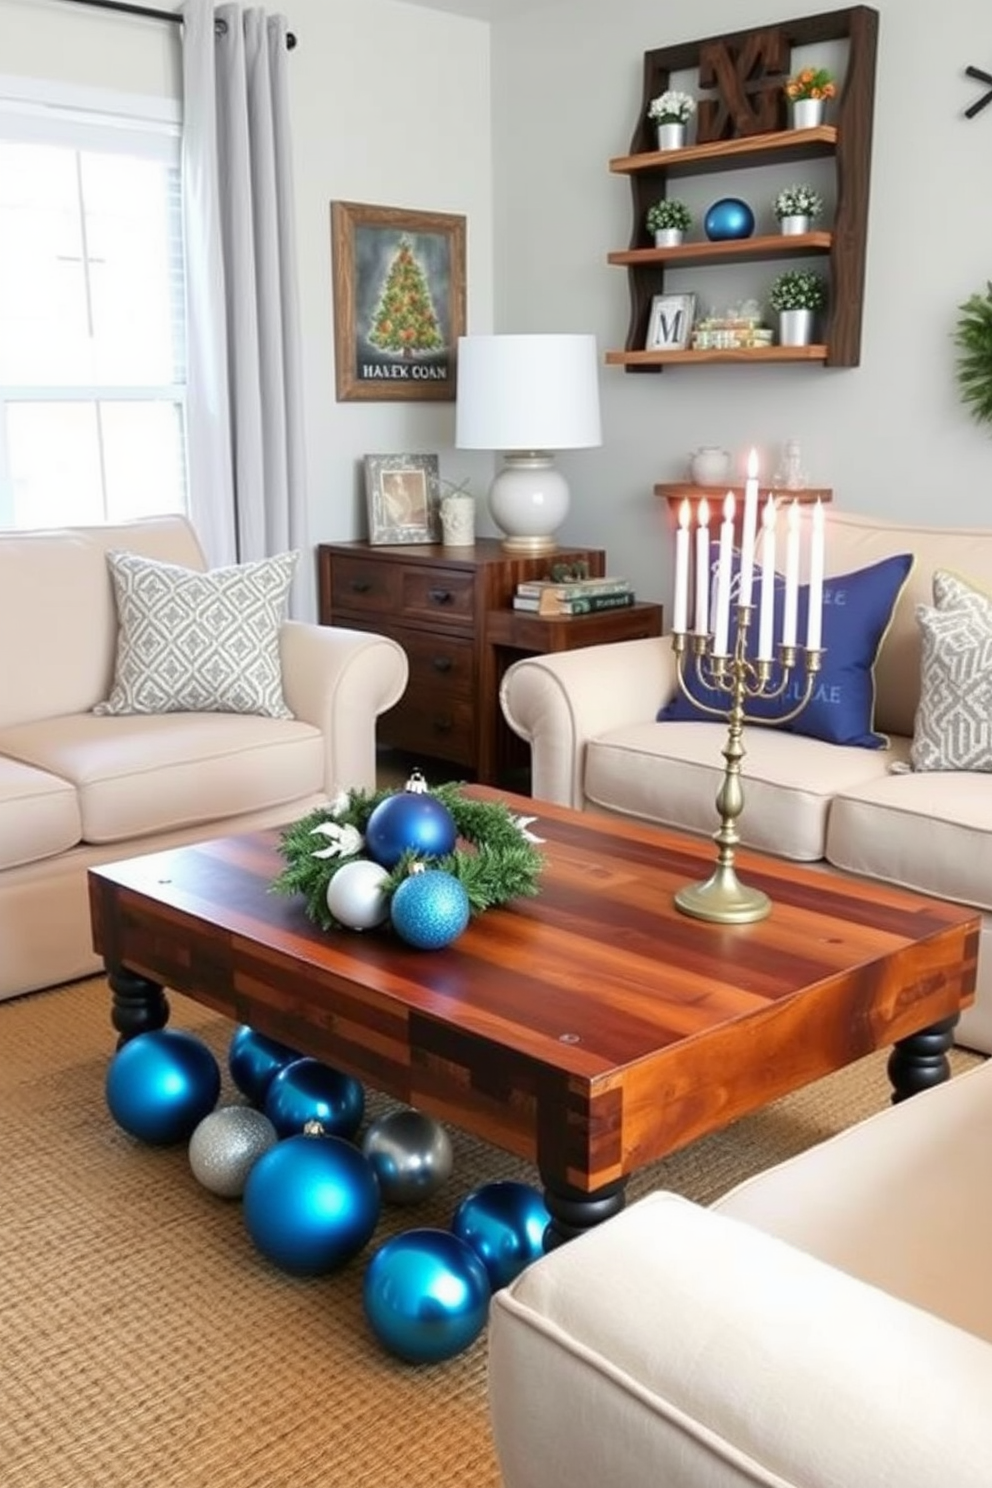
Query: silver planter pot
795, 327
671, 136
793, 226
668, 237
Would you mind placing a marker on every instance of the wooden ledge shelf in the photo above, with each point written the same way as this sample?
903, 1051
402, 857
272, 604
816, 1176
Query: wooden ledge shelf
737, 250
675, 492
647, 359
754, 149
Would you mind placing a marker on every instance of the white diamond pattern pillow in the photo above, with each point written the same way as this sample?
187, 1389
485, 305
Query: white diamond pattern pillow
953, 728
190, 642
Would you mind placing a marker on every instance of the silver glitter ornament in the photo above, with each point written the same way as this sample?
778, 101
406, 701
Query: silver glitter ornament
410, 1154
225, 1147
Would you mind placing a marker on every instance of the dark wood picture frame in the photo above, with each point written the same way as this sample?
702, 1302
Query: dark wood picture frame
416, 260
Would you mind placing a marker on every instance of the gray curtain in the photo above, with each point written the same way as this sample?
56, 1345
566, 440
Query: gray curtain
245, 397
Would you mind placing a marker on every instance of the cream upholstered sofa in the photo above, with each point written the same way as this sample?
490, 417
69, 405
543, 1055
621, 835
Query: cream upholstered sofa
828, 1324
77, 789
589, 717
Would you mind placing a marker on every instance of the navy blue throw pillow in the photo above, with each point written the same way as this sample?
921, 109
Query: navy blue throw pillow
857, 610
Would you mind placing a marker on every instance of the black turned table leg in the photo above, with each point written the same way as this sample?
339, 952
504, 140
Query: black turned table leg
573, 1211
920, 1061
139, 1005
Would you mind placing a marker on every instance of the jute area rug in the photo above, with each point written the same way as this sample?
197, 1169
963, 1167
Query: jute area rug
144, 1341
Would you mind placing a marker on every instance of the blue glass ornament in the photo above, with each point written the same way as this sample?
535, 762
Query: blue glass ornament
255, 1060
728, 218
311, 1203
410, 1153
426, 1295
504, 1223
160, 1086
307, 1090
410, 821
430, 910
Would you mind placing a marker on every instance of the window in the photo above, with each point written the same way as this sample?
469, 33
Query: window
92, 329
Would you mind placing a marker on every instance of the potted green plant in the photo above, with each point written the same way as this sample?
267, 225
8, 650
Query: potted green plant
797, 295
669, 220
671, 111
808, 91
796, 207
973, 339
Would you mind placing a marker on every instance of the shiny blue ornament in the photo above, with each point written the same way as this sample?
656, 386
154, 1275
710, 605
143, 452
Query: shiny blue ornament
160, 1086
307, 1090
728, 218
310, 1203
504, 1223
426, 1295
254, 1060
410, 821
430, 910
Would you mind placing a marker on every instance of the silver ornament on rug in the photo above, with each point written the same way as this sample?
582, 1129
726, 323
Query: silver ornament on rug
410, 1154
355, 897
225, 1147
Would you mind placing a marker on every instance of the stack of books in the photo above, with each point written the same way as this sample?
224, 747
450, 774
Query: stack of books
574, 597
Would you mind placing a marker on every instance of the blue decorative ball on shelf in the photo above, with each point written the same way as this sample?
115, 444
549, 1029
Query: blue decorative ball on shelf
308, 1090
411, 821
311, 1203
728, 218
254, 1061
504, 1223
160, 1086
426, 1295
430, 910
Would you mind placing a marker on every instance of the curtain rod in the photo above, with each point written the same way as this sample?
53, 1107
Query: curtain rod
155, 15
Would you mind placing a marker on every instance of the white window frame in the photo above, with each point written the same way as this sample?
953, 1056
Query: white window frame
35, 111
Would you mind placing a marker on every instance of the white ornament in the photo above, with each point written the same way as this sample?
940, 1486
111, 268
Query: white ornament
355, 897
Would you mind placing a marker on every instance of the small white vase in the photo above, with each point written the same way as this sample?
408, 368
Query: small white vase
668, 237
795, 327
671, 136
793, 226
710, 466
807, 113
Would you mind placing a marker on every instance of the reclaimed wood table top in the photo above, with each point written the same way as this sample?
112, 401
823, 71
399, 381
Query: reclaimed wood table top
592, 1029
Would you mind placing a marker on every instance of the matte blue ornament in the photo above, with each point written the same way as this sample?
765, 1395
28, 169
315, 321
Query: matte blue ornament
504, 1223
254, 1060
310, 1203
426, 1295
728, 218
430, 909
410, 821
307, 1090
160, 1085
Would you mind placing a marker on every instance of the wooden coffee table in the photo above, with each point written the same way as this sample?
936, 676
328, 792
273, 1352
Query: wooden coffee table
592, 1029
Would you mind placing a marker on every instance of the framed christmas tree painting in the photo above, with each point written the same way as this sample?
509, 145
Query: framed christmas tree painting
399, 301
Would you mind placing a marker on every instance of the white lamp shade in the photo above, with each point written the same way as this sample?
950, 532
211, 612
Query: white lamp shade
527, 393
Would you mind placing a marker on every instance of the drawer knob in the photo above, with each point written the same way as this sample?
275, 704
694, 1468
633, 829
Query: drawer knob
443, 725
440, 596
441, 663
361, 586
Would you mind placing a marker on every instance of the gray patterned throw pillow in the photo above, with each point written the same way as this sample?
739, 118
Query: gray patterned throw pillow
190, 642
953, 729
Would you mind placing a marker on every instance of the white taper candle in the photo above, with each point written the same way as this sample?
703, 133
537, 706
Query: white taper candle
703, 569
766, 615
750, 528
814, 624
721, 645
789, 618
681, 605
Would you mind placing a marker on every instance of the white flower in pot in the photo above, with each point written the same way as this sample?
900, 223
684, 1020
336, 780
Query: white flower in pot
798, 204
671, 107
797, 295
668, 219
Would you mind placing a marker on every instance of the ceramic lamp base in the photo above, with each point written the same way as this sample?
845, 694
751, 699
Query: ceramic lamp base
529, 501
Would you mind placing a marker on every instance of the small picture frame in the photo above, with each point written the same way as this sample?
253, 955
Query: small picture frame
670, 323
404, 498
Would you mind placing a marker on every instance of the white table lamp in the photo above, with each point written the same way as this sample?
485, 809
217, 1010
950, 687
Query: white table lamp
527, 396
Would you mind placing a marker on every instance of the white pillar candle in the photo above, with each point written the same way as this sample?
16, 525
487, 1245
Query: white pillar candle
789, 619
814, 625
766, 615
681, 607
750, 528
721, 646
703, 569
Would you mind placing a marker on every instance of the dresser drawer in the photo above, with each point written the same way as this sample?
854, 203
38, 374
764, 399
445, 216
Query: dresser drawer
440, 662
439, 596
432, 722
365, 585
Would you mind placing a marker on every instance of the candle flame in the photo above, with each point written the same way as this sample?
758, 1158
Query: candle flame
728, 507
752, 464
685, 513
704, 513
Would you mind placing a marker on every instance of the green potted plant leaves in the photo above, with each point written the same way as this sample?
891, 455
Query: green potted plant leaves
669, 220
973, 339
796, 207
797, 295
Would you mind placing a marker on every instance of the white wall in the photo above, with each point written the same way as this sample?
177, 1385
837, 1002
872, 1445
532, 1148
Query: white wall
391, 105
890, 437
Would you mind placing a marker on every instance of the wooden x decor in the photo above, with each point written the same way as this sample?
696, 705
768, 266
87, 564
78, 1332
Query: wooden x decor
986, 98
748, 75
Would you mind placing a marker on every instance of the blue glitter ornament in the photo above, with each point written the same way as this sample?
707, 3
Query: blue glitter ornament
504, 1223
411, 821
728, 218
160, 1086
430, 910
255, 1060
426, 1295
307, 1090
311, 1203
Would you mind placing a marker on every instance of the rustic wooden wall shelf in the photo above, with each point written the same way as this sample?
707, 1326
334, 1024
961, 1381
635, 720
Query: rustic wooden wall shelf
743, 121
